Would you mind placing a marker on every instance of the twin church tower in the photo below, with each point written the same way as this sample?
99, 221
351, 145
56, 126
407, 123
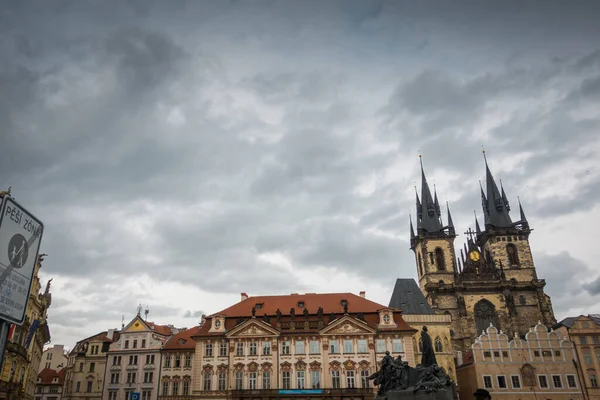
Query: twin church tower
492, 280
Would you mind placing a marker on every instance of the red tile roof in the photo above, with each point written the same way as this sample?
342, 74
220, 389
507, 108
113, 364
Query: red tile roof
182, 340
331, 303
47, 375
166, 330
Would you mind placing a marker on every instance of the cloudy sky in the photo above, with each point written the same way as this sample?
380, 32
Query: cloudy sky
182, 152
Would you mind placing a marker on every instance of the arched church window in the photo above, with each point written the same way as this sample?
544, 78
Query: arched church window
513, 255
439, 259
522, 300
420, 264
437, 345
485, 314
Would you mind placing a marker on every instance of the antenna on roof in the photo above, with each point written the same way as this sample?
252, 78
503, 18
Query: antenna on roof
123, 321
146, 312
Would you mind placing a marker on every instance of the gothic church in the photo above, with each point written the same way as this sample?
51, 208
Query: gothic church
494, 281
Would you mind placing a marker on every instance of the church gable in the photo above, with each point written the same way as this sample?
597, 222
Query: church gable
347, 325
253, 328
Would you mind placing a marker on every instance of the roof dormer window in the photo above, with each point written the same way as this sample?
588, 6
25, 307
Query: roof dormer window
300, 304
258, 306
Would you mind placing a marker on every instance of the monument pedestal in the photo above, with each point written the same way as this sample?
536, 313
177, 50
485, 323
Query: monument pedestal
409, 395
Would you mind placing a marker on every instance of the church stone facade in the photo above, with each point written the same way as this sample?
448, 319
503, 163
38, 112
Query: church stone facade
493, 281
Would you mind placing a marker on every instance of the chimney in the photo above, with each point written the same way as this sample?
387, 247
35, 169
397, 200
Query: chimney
244, 296
110, 334
362, 294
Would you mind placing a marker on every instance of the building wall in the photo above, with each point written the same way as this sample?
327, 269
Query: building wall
323, 361
438, 327
585, 333
177, 366
54, 358
22, 359
135, 355
497, 360
86, 365
48, 392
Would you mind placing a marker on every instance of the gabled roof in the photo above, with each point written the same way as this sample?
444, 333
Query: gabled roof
182, 340
330, 302
47, 375
165, 330
569, 321
408, 297
98, 337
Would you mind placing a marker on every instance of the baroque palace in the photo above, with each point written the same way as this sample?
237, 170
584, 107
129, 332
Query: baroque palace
324, 345
494, 281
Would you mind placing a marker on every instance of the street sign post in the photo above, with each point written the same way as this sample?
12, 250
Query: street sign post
20, 237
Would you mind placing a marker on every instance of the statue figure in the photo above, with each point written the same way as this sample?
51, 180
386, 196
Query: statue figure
360, 316
253, 312
305, 312
331, 317
239, 320
320, 313
47, 291
5, 192
278, 315
292, 313
346, 308
266, 318
428, 356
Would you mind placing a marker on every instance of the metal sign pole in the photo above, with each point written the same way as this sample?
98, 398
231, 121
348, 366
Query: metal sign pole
4, 328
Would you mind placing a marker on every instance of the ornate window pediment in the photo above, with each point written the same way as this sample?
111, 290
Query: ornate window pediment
286, 366
315, 366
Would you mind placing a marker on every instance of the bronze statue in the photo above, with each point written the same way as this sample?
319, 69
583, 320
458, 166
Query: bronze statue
428, 356
292, 313
320, 313
253, 312
278, 315
305, 312
266, 318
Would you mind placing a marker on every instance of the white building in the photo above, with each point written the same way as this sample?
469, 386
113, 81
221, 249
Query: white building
53, 358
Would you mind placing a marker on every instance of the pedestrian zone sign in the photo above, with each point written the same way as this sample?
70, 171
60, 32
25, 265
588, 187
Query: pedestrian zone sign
20, 238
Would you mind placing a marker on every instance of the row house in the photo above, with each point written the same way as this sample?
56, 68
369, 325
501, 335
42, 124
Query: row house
323, 345
540, 366
86, 366
50, 384
133, 361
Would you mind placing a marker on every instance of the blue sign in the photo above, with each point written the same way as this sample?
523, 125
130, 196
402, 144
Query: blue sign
301, 391
134, 396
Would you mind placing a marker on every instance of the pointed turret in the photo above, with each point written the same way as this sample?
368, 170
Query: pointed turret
438, 211
504, 199
412, 230
450, 222
523, 221
428, 218
477, 227
495, 203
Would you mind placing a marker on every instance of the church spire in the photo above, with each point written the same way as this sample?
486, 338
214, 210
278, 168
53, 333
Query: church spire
495, 202
412, 230
477, 227
429, 218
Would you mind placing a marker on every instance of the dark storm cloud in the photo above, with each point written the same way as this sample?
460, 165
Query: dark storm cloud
199, 142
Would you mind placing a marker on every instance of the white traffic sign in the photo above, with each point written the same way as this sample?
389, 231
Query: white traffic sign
20, 237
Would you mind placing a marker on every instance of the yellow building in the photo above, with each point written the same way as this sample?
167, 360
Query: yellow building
86, 366
417, 313
539, 367
584, 332
26, 342
294, 346
493, 281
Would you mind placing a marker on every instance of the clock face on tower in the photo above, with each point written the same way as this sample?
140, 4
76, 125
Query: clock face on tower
474, 255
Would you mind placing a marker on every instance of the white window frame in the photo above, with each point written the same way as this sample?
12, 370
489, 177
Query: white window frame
285, 347
299, 347
334, 346
221, 381
239, 349
362, 346
350, 379
383, 342
350, 344
540, 384
301, 377
317, 384
559, 379
266, 348
397, 342
498, 381
491, 381
253, 349
286, 376
313, 347
574, 380
335, 374
252, 380
512, 383
266, 380
239, 380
